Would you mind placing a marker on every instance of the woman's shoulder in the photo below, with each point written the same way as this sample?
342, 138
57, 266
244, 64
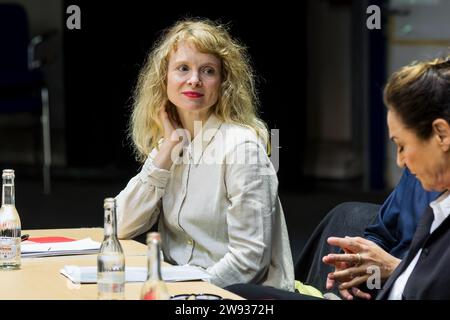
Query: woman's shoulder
239, 133
235, 138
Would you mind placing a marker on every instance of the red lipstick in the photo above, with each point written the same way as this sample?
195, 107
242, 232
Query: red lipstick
192, 94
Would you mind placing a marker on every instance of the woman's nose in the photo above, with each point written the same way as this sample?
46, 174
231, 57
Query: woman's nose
194, 80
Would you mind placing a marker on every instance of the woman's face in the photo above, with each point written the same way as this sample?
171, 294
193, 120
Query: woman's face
193, 79
426, 159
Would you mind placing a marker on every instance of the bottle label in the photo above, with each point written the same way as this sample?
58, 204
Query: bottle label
9, 248
150, 295
111, 282
154, 290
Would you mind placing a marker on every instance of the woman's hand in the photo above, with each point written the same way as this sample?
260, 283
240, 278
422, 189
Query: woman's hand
354, 266
347, 294
169, 126
170, 149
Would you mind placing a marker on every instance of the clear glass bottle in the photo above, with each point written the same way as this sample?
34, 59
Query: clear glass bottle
110, 260
10, 227
154, 287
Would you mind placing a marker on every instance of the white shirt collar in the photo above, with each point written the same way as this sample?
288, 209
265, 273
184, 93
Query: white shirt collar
441, 210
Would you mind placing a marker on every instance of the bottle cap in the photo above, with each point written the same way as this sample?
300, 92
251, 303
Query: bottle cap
153, 236
8, 172
109, 203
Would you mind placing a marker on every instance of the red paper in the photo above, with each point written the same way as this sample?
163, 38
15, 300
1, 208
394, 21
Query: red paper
50, 239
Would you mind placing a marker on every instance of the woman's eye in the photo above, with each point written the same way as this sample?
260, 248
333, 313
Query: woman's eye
208, 71
400, 149
182, 68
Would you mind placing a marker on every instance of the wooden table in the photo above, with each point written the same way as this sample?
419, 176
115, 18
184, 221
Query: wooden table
40, 278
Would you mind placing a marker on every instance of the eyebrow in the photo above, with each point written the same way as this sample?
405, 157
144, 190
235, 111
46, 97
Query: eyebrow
209, 63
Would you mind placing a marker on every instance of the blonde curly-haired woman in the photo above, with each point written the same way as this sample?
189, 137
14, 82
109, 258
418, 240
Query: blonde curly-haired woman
206, 173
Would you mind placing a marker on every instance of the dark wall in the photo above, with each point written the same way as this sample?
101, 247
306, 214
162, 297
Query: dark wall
102, 61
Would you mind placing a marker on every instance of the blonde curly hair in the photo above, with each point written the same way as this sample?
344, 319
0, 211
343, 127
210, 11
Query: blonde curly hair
237, 102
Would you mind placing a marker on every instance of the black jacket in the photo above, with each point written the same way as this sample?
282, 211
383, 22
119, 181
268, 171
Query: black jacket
430, 279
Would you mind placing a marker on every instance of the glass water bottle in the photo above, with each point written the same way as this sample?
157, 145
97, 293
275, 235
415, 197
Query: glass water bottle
154, 288
110, 260
10, 228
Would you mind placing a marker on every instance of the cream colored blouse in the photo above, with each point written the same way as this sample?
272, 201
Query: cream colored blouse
218, 208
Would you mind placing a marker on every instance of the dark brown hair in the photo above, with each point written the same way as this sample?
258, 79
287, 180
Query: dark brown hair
419, 94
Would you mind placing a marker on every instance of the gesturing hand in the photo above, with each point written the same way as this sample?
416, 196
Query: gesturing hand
169, 125
170, 149
351, 268
346, 293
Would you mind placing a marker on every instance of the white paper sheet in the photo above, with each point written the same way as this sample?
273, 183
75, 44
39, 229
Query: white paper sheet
88, 274
84, 246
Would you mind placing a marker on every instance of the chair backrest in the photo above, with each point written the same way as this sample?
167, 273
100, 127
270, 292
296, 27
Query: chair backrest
346, 219
14, 38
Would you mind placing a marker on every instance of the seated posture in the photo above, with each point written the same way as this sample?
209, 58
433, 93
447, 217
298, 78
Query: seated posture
385, 241
215, 192
418, 102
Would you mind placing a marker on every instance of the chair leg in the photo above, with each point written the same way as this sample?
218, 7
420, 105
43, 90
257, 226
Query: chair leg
45, 119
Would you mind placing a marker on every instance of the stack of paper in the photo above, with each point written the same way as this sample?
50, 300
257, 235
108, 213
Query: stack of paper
79, 274
84, 246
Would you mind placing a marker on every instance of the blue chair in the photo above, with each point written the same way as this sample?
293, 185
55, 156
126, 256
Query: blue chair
22, 85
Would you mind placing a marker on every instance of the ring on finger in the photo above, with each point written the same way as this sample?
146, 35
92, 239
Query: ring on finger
360, 260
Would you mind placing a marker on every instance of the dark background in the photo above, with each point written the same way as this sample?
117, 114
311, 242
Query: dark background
103, 59
100, 65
